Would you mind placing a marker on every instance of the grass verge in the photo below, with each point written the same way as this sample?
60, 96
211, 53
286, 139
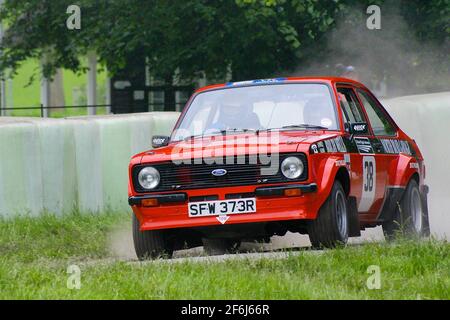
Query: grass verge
36, 253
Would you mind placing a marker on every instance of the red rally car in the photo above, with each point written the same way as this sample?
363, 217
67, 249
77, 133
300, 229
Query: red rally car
249, 160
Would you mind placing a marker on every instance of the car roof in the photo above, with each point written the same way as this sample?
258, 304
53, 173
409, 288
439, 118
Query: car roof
281, 80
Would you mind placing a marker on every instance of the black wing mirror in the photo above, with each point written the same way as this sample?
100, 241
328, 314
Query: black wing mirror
357, 128
160, 141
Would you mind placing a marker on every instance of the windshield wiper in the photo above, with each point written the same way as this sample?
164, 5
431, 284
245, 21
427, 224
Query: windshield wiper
294, 126
223, 132
304, 126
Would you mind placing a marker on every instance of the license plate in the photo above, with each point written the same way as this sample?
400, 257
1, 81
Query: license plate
219, 208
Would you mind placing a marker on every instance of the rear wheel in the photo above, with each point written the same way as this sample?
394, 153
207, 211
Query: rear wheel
215, 247
150, 244
331, 227
410, 218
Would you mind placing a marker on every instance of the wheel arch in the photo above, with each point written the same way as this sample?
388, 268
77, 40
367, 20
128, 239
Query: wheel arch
403, 170
343, 176
416, 177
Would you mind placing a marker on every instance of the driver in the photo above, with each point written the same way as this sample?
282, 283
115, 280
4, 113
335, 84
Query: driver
235, 114
317, 111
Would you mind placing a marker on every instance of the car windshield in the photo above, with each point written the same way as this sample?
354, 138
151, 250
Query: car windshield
294, 106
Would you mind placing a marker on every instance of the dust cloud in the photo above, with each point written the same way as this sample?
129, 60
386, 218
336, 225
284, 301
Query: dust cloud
391, 61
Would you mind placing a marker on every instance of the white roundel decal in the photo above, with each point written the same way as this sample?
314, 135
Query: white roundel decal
326, 122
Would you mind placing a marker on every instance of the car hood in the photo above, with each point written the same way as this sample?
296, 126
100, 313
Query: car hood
236, 145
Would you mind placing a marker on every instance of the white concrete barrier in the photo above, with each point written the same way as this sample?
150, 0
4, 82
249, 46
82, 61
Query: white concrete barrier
58, 165
426, 118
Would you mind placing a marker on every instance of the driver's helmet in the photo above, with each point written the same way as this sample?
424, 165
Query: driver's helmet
230, 105
317, 111
233, 110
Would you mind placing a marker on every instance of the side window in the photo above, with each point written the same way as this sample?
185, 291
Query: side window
350, 106
381, 125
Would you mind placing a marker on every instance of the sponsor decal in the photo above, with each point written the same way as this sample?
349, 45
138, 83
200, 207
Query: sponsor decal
364, 146
348, 161
394, 146
259, 81
334, 145
360, 128
414, 165
344, 162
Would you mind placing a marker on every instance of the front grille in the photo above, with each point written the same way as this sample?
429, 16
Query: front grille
199, 176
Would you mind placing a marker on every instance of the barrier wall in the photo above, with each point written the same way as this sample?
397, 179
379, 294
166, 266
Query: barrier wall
57, 165
426, 118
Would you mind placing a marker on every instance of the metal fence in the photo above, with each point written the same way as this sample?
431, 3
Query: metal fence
61, 111
45, 111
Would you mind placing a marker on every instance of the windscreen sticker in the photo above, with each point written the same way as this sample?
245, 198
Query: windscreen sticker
326, 122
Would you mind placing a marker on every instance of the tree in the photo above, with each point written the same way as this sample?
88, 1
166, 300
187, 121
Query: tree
250, 38
242, 38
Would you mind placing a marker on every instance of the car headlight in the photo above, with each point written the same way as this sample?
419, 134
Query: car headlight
149, 178
292, 167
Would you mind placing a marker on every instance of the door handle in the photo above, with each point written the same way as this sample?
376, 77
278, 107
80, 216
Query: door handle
378, 147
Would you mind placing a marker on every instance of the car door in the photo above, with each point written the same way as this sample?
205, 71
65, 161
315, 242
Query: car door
385, 142
367, 172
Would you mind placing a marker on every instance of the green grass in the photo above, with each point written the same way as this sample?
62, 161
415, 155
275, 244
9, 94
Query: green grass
35, 254
24, 94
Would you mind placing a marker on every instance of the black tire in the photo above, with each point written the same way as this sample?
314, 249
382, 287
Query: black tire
411, 216
331, 227
216, 247
150, 244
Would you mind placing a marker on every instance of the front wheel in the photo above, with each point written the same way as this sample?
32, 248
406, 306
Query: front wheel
150, 244
331, 227
410, 218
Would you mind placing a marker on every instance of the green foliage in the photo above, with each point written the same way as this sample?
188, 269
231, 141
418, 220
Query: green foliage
251, 38
241, 38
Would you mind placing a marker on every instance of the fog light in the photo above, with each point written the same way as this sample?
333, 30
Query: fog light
149, 202
292, 192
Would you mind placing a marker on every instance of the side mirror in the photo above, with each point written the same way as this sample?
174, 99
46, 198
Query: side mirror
357, 128
160, 141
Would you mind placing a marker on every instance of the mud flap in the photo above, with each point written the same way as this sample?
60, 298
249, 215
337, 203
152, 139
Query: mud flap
392, 199
353, 221
424, 193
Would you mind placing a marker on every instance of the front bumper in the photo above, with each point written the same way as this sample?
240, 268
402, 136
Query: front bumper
272, 205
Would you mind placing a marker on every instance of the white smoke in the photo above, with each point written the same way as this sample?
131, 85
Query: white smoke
392, 55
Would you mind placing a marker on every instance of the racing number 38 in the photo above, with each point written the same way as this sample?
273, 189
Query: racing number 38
369, 183
368, 175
